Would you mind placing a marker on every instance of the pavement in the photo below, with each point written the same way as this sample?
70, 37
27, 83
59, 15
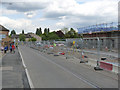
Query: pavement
0, 70
48, 71
13, 72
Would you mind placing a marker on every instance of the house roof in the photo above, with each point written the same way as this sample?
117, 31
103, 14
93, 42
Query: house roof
2, 28
17, 36
28, 36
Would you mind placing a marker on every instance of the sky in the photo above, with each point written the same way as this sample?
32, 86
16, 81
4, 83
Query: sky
28, 15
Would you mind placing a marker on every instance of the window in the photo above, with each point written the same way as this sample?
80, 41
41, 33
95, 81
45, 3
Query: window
2, 36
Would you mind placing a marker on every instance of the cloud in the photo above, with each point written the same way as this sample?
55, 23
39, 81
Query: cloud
30, 14
89, 13
4, 11
67, 13
60, 24
18, 25
24, 6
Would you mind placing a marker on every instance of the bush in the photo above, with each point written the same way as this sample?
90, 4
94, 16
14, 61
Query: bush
33, 39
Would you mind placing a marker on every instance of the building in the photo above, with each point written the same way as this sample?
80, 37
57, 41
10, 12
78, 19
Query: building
39, 39
106, 32
108, 39
4, 36
27, 37
15, 38
113, 33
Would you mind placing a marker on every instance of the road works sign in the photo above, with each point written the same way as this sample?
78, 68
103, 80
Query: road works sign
54, 45
73, 42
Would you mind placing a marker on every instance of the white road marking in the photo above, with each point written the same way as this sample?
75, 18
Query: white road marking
27, 73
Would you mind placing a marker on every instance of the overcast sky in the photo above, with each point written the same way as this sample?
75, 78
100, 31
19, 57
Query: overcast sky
56, 14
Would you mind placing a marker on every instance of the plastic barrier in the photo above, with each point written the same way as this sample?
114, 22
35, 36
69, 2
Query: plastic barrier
106, 66
62, 53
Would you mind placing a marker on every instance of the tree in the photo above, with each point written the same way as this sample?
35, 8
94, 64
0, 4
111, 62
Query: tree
64, 30
71, 34
48, 30
22, 31
50, 36
13, 33
33, 39
53, 36
22, 37
45, 31
38, 31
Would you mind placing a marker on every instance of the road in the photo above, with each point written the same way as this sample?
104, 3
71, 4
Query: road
48, 71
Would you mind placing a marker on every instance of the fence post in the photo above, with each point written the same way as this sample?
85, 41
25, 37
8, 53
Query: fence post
98, 55
82, 53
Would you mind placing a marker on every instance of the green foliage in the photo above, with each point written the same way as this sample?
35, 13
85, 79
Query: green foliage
50, 36
13, 33
22, 31
38, 31
48, 30
45, 31
61, 34
33, 39
71, 34
22, 37
64, 30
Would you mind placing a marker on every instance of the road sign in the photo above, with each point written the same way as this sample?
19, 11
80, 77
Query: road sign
54, 45
73, 42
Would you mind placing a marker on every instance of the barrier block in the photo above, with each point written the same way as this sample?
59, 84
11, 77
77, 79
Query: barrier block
106, 66
61, 53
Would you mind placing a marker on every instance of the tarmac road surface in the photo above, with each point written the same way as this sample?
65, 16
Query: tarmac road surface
48, 71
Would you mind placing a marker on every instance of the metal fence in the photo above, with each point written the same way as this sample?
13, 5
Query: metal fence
92, 50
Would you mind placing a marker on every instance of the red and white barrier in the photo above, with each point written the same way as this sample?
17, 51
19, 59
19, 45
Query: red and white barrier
106, 66
61, 53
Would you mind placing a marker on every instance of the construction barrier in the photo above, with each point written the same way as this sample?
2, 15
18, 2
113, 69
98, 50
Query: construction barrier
106, 66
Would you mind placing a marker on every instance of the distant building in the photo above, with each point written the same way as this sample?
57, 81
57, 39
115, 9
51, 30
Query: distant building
39, 39
15, 38
109, 39
4, 37
27, 37
102, 34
